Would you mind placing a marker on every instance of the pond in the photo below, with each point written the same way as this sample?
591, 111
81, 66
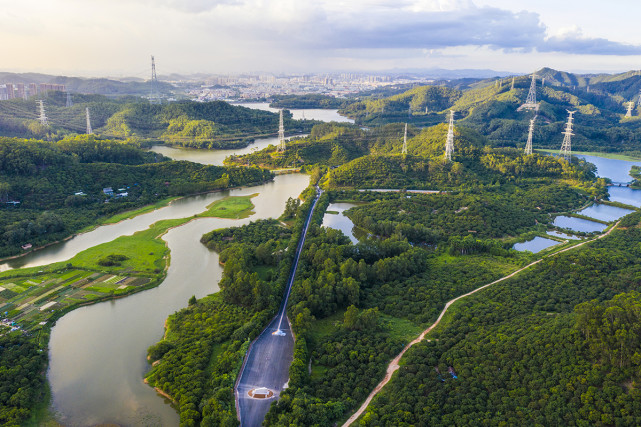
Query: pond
339, 221
535, 245
578, 224
605, 212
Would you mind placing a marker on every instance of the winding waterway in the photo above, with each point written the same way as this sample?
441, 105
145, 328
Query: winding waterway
214, 157
97, 353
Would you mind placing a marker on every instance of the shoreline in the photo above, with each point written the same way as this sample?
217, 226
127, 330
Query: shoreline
94, 227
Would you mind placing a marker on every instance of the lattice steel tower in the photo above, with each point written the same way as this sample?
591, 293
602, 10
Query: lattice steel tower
89, 130
69, 102
404, 151
43, 117
281, 134
528, 145
154, 97
566, 147
530, 102
630, 107
449, 143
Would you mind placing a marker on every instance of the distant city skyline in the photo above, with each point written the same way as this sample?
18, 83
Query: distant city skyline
117, 37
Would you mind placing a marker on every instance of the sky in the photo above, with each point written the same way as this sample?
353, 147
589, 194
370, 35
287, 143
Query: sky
117, 37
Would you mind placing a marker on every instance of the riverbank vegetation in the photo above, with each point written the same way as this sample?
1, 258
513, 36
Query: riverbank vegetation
308, 101
51, 190
212, 335
34, 298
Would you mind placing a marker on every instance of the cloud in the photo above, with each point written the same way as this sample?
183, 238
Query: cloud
573, 41
403, 24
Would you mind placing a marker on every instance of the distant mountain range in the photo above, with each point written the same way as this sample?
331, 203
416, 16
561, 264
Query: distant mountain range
100, 86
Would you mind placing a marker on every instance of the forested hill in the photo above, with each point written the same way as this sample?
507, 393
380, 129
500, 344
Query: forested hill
490, 106
51, 190
214, 124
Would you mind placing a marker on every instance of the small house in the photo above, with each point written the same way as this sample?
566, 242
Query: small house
108, 191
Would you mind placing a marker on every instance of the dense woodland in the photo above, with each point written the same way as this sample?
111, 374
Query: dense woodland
307, 101
490, 107
558, 344
211, 125
59, 185
22, 363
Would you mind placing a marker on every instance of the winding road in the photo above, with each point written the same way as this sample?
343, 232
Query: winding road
394, 364
270, 355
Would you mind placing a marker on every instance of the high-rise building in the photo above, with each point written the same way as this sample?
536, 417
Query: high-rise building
20, 92
33, 89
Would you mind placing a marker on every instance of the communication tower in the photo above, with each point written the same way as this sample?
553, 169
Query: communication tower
43, 117
69, 102
449, 143
154, 97
89, 130
512, 87
281, 133
630, 107
405, 141
566, 147
528, 145
639, 101
530, 102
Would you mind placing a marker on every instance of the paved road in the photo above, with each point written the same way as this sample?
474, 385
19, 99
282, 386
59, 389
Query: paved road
269, 357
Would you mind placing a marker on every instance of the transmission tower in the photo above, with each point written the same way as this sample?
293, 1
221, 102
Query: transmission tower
43, 117
528, 146
530, 102
449, 144
404, 151
639, 101
69, 102
89, 130
630, 107
512, 87
281, 134
566, 147
154, 97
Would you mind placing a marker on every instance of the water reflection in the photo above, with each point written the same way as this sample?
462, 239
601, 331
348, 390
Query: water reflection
578, 224
535, 245
339, 221
605, 212
97, 353
309, 114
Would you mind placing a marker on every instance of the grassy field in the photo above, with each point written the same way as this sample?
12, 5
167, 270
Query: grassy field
233, 207
134, 213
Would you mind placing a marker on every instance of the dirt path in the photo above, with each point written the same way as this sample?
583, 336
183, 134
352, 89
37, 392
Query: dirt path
394, 364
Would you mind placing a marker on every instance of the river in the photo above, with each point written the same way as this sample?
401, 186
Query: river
309, 114
97, 353
214, 157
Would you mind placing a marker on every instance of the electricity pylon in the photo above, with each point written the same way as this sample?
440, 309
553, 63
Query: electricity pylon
449, 143
528, 145
281, 134
566, 147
